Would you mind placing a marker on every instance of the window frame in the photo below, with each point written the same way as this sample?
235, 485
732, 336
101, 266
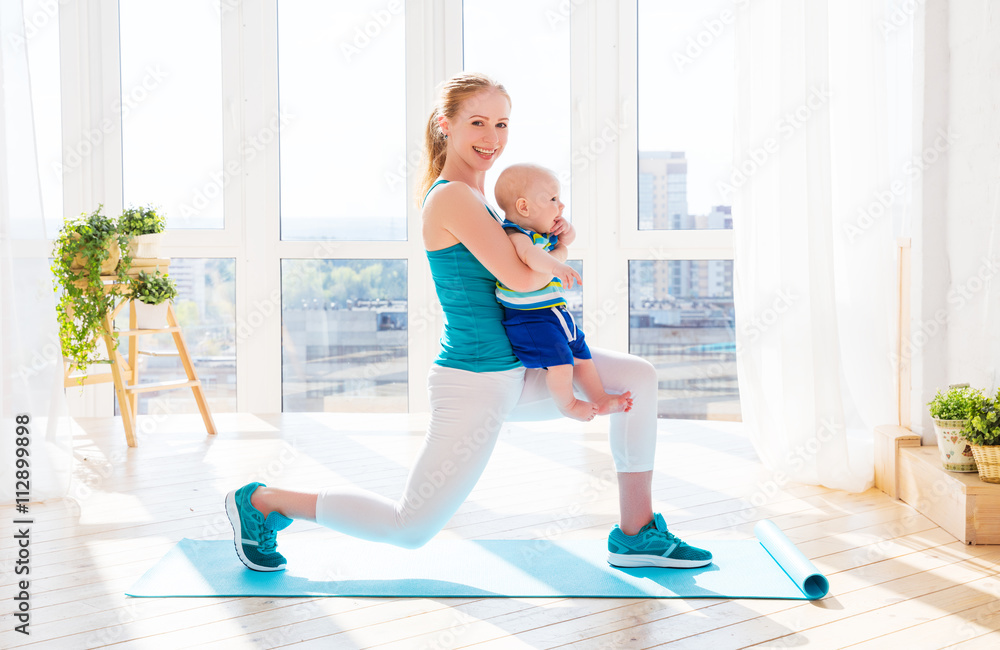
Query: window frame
604, 56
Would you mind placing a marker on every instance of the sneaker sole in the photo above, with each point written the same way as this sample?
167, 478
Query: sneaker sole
638, 561
234, 520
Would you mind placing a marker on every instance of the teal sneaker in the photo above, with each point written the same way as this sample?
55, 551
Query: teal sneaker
654, 546
256, 538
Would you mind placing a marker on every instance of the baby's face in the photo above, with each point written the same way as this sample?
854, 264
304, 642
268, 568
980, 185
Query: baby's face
544, 206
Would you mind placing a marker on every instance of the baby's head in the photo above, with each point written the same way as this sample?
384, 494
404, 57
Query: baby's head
529, 196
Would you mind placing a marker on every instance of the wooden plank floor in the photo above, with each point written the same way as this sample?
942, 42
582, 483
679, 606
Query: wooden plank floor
897, 580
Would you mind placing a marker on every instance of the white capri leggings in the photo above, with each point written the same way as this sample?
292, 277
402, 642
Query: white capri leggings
467, 411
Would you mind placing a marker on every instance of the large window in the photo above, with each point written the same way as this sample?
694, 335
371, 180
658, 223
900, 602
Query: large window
171, 110
342, 99
681, 320
205, 310
681, 314
282, 140
344, 335
686, 78
535, 71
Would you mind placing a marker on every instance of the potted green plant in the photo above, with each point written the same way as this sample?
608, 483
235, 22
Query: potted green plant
982, 430
152, 292
144, 226
88, 249
950, 409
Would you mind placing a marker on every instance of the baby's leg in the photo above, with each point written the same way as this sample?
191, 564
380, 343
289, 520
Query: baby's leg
586, 377
559, 379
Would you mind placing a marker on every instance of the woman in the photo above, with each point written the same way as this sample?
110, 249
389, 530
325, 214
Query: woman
476, 382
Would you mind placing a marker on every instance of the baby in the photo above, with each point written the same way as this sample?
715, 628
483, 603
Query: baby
540, 328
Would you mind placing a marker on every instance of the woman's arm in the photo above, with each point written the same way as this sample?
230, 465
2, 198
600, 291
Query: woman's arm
454, 213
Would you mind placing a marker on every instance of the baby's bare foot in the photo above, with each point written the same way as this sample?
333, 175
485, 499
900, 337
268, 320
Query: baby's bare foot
579, 410
614, 403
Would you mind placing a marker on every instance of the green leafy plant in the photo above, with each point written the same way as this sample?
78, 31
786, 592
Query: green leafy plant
954, 403
80, 249
141, 221
983, 426
153, 289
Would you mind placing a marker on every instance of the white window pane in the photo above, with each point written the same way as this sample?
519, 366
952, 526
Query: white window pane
344, 335
681, 320
206, 311
535, 69
574, 296
171, 109
686, 78
341, 78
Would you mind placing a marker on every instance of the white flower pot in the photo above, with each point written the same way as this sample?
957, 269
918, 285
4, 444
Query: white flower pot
955, 451
150, 317
145, 246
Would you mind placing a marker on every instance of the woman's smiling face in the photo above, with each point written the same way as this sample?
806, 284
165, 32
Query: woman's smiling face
478, 134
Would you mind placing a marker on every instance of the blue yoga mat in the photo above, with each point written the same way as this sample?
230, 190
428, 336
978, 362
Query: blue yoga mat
767, 567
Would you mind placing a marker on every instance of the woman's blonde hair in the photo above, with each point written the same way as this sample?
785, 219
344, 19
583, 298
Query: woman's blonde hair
451, 95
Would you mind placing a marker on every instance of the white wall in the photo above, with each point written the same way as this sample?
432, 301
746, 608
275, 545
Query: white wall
956, 233
974, 194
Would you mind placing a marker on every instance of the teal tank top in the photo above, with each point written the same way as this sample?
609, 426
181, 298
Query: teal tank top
474, 338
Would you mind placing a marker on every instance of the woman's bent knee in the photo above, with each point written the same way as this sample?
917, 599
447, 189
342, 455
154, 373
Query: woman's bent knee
413, 536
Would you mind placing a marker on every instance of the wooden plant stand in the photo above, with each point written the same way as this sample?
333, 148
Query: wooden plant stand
125, 371
959, 502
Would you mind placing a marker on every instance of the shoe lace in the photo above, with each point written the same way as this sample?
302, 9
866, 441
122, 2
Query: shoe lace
268, 541
658, 528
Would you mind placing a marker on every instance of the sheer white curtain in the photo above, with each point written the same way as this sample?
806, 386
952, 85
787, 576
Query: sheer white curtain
30, 360
814, 248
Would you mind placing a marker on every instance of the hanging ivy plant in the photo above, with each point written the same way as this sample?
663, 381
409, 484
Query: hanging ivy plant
84, 245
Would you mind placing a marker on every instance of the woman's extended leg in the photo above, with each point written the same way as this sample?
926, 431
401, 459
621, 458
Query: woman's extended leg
467, 411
